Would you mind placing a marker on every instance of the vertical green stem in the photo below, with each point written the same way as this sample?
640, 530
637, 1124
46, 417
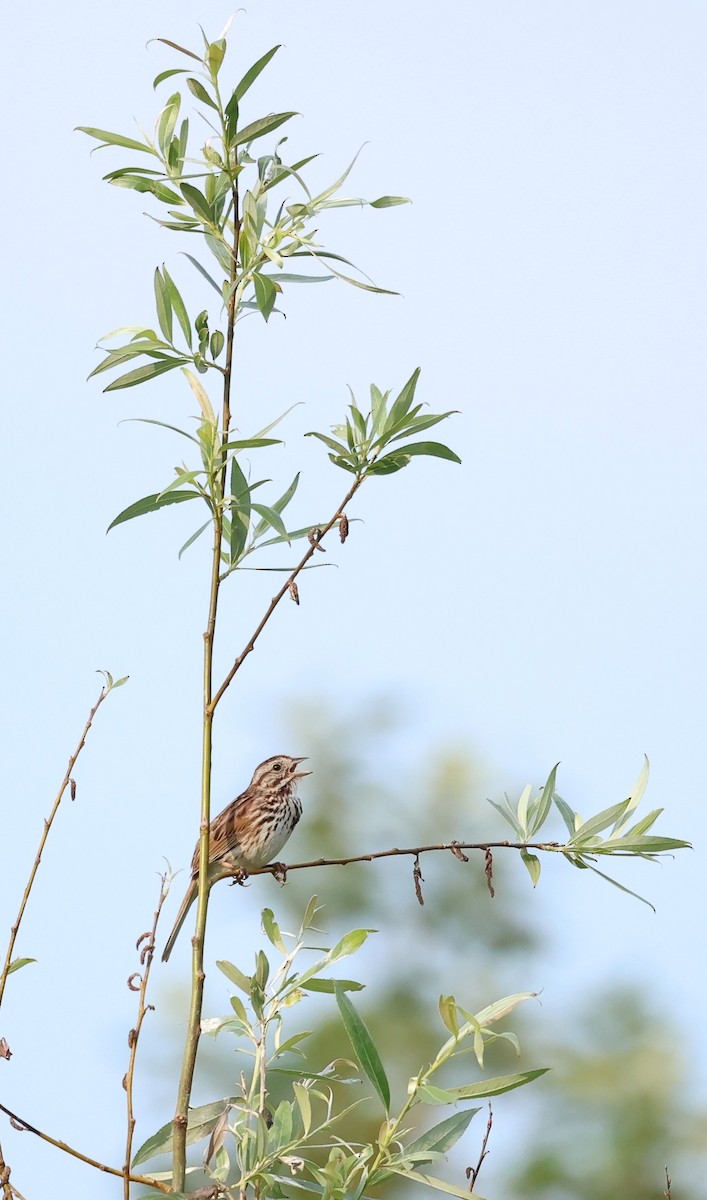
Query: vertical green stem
191, 1044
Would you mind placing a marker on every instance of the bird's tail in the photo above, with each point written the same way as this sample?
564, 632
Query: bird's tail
181, 918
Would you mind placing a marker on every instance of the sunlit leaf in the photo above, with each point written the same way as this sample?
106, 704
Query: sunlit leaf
532, 862
114, 139
235, 975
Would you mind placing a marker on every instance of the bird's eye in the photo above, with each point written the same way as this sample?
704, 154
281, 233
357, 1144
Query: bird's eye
277, 766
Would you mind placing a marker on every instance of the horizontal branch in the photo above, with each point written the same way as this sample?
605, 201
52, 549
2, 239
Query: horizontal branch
24, 1126
412, 851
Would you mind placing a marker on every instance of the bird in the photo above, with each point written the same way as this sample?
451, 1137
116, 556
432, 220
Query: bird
250, 831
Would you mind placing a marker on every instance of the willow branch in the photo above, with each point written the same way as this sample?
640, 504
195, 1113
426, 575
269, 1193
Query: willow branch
472, 1173
146, 956
454, 847
43, 840
91, 1162
7, 1189
286, 587
191, 1045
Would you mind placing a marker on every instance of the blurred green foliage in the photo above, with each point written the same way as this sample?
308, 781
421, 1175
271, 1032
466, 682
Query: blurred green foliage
614, 1109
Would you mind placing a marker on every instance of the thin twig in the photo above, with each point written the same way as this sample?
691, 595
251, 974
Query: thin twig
472, 1173
414, 851
284, 590
43, 840
7, 1188
668, 1185
91, 1162
146, 956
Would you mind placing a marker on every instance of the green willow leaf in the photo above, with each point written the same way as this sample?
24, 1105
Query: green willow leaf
389, 201
331, 985
532, 862
163, 305
142, 374
197, 89
273, 519
202, 271
252, 74
201, 1122
240, 512
168, 74
197, 200
114, 139
178, 306
364, 1049
265, 294
18, 963
443, 1136
190, 541
150, 504
260, 127
235, 975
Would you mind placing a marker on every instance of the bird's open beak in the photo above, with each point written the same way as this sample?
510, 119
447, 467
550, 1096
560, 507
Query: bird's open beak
300, 774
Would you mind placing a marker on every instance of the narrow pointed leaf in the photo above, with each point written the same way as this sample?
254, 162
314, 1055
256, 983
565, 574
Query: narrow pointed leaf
150, 504
532, 862
435, 449
272, 518
198, 202
168, 74
18, 963
389, 201
202, 271
443, 1136
252, 73
197, 89
163, 305
364, 1048
259, 128
178, 306
142, 374
190, 541
200, 1123
114, 139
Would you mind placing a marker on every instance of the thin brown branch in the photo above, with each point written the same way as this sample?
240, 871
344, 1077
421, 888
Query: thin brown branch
7, 1189
668, 1185
147, 953
25, 1126
43, 840
413, 851
285, 590
472, 1173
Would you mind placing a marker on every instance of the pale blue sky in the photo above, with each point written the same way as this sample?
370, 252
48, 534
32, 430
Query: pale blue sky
544, 602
